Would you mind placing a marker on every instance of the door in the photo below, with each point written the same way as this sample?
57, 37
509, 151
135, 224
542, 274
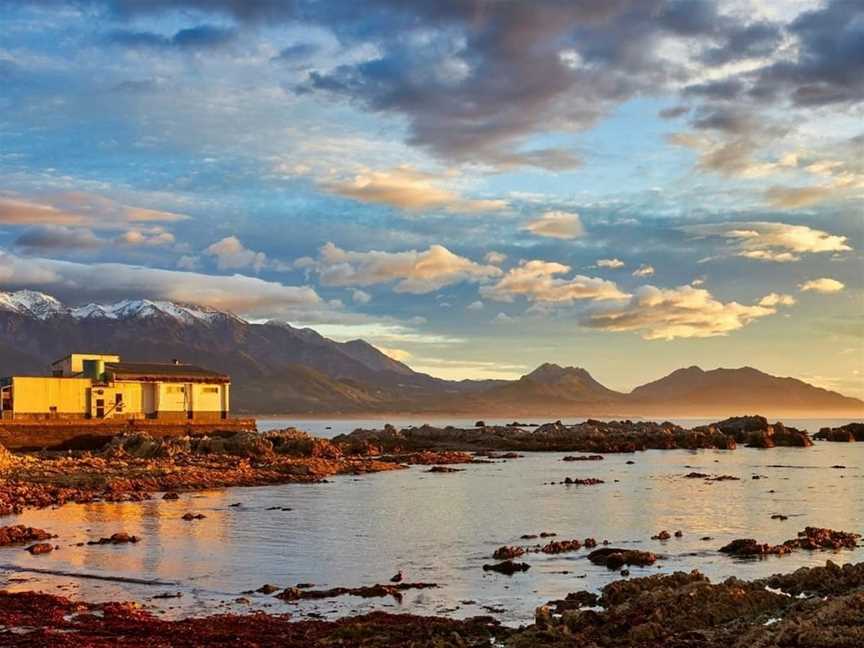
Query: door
100, 408
190, 409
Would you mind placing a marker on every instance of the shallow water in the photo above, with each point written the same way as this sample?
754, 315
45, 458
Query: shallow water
443, 527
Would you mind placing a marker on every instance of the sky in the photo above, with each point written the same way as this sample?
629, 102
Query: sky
474, 186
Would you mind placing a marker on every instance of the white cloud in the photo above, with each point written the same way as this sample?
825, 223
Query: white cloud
100, 281
475, 306
409, 189
610, 263
413, 271
824, 285
231, 254
557, 224
538, 281
501, 318
778, 242
683, 312
188, 262
360, 296
643, 271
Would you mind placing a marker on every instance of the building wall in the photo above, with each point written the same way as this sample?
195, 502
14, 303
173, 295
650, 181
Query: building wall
33, 397
36, 396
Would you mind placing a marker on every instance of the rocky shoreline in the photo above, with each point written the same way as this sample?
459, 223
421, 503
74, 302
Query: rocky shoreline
818, 606
132, 467
591, 436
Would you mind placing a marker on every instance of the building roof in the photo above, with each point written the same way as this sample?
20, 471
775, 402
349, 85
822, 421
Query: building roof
163, 372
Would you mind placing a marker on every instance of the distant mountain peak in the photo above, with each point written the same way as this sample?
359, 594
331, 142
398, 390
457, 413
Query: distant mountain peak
31, 303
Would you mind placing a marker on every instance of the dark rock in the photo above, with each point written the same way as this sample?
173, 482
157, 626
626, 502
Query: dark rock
507, 567
40, 548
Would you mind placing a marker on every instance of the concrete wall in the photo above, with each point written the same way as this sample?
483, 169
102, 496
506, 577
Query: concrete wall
36, 396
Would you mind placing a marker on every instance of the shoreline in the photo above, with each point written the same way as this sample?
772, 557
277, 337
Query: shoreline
821, 606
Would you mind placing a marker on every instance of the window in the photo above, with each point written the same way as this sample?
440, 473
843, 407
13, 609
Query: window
175, 389
210, 390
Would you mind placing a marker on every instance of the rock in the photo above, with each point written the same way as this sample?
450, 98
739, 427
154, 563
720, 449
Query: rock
170, 496
480, 424
614, 558
507, 567
40, 548
845, 433
267, 589
778, 516
583, 458
20, 534
193, 516
679, 534
508, 553
444, 469
590, 543
561, 546
397, 578
117, 538
590, 481
369, 591
748, 547
663, 535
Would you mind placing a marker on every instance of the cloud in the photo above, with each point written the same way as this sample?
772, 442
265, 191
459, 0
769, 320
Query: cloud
188, 262
409, 189
78, 209
201, 37
495, 258
778, 242
108, 281
475, 306
683, 312
777, 299
824, 286
557, 224
57, 238
538, 281
146, 237
413, 271
643, 271
610, 263
231, 254
794, 197
360, 296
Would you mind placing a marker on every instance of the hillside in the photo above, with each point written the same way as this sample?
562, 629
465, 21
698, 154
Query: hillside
277, 368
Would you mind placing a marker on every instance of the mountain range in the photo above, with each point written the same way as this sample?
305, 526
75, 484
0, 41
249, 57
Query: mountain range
277, 368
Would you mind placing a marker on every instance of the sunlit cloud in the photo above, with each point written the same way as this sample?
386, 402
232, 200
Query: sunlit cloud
643, 271
683, 312
412, 271
231, 254
777, 242
556, 224
540, 281
825, 286
610, 263
410, 190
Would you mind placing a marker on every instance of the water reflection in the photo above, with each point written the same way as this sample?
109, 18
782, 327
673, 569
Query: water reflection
444, 527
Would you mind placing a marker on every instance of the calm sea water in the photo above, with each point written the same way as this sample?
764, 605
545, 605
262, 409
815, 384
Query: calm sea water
443, 527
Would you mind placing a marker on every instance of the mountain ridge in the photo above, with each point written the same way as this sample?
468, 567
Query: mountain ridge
278, 368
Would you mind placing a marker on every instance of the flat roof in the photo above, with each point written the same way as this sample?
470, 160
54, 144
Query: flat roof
163, 371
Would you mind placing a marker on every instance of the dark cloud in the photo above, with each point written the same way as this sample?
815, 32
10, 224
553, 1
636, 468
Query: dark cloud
297, 52
754, 40
723, 89
829, 67
57, 238
194, 38
673, 112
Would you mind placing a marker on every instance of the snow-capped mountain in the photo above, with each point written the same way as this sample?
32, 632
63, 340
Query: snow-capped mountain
41, 306
31, 303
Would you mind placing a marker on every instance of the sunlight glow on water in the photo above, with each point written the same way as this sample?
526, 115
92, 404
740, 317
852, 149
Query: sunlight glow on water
443, 527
